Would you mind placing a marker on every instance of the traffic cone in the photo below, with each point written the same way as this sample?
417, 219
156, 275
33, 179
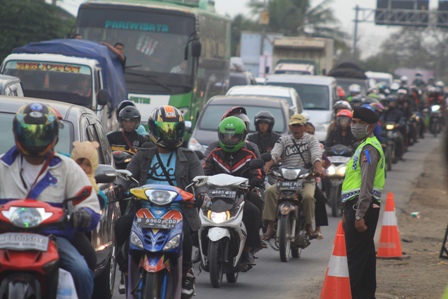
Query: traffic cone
389, 246
337, 282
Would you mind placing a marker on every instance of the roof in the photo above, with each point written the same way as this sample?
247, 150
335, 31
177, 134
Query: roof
52, 58
304, 79
247, 101
266, 90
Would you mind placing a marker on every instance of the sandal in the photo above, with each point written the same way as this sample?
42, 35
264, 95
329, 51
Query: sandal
267, 236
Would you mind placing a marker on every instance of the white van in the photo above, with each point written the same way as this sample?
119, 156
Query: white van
318, 95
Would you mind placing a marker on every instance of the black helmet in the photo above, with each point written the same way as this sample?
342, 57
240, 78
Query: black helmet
166, 127
129, 113
265, 116
36, 129
123, 104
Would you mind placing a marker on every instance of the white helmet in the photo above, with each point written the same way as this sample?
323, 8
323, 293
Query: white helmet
354, 88
440, 84
404, 79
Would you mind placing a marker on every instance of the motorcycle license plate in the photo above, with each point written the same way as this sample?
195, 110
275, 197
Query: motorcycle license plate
223, 193
18, 241
338, 159
156, 223
285, 185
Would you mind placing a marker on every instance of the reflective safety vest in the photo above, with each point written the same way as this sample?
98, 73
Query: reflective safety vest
351, 187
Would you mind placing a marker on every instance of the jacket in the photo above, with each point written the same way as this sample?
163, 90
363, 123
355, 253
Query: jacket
335, 137
118, 143
265, 142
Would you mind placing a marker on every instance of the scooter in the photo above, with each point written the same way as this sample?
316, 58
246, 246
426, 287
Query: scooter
435, 120
29, 258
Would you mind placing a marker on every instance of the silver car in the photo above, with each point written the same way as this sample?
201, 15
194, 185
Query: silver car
10, 86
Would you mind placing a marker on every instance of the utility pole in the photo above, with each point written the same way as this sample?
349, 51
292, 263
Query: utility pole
355, 33
264, 21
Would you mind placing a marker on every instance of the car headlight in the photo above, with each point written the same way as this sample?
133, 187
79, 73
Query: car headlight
160, 197
26, 217
331, 170
218, 217
135, 240
173, 243
194, 145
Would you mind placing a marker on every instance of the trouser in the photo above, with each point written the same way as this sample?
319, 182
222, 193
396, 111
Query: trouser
123, 227
251, 219
361, 256
321, 217
82, 243
271, 200
72, 261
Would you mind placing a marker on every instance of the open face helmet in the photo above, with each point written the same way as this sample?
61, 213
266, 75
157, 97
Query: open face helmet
129, 113
344, 118
264, 116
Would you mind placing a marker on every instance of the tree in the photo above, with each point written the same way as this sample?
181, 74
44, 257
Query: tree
25, 21
239, 24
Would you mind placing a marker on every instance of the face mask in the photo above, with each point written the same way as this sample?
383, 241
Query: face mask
359, 131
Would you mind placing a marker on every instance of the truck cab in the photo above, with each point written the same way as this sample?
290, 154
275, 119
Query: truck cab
10, 86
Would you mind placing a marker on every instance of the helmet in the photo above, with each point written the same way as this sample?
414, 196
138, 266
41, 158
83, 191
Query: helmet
246, 121
377, 106
368, 106
440, 84
354, 88
345, 112
356, 101
231, 134
371, 99
341, 92
234, 111
166, 127
394, 87
36, 129
129, 113
264, 116
403, 79
123, 104
402, 91
341, 105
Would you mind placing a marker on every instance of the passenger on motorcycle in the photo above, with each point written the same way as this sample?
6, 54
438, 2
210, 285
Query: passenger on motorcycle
32, 169
338, 106
342, 133
141, 129
264, 138
297, 150
126, 138
232, 158
167, 164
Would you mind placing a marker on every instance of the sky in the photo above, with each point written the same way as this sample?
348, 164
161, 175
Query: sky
369, 35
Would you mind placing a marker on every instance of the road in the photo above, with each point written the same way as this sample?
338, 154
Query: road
270, 277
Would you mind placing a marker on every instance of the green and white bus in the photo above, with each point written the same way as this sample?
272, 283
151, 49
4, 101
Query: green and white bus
177, 51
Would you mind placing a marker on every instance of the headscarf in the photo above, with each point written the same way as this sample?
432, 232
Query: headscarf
87, 150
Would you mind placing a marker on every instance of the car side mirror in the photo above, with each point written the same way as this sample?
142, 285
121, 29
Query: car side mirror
105, 174
196, 48
103, 97
188, 126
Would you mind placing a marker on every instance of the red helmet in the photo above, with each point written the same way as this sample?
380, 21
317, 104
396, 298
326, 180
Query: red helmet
341, 92
237, 110
345, 112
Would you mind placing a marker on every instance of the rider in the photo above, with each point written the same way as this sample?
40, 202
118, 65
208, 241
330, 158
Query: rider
141, 129
394, 115
32, 169
167, 164
341, 133
354, 90
298, 150
232, 158
338, 106
127, 139
264, 138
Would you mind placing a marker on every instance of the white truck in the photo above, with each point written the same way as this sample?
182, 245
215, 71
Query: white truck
302, 55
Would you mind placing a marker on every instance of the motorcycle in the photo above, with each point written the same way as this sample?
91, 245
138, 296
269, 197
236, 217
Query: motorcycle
122, 159
338, 155
155, 250
222, 235
391, 136
435, 120
29, 258
291, 236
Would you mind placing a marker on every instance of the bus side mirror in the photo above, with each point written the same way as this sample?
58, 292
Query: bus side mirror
196, 48
103, 97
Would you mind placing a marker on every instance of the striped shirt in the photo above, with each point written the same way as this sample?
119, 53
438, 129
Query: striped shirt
308, 146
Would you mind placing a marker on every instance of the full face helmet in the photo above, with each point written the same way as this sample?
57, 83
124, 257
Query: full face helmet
129, 113
231, 134
166, 127
36, 129
265, 116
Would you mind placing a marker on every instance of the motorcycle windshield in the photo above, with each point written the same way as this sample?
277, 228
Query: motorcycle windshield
222, 205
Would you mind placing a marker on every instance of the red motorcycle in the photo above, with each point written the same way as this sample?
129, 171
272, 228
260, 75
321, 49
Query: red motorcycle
29, 259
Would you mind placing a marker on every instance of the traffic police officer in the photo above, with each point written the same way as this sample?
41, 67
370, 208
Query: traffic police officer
361, 196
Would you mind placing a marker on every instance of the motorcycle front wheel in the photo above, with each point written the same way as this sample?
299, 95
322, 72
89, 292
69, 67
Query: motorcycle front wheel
333, 199
284, 232
151, 289
215, 263
389, 157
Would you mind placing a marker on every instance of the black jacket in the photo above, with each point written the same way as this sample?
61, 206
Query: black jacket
118, 142
265, 142
335, 137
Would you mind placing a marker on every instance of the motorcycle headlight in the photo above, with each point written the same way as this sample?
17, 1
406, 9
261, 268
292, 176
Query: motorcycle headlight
218, 217
331, 170
341, 170
390, 127
290, 174
26, 217
160, 197
135, 240
173, 243
194, 145
435, 108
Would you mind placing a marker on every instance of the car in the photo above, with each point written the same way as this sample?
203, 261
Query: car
206, 129
288, 94
78, 124
10, 86
318, 95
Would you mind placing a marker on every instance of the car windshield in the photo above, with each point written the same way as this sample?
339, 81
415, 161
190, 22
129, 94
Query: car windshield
211, 117
260, 92
345, 84
65, 136
313, 97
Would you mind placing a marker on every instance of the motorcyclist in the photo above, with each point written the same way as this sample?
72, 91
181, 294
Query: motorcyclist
127, 139
356, 102
341, 93
338, 106
167, 164
141, 129
418, 81
394, 115
404, 82
232, 158
354, 90
32, 169
297, 150
264, 138
342, 133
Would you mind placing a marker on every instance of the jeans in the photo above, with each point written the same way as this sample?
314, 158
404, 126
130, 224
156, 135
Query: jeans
72, 261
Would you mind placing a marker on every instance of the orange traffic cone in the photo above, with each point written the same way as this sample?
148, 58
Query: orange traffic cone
337, 282
389, 246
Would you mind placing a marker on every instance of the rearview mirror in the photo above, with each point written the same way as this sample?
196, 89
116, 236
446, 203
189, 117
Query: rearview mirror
105, 174
103, 97
196, 48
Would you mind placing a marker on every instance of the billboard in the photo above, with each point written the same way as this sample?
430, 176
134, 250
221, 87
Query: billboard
402, 12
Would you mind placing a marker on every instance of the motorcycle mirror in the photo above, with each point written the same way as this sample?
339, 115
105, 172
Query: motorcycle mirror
105, 174
80, 196
266, 157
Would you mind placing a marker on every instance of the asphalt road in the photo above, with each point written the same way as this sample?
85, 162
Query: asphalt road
271, 278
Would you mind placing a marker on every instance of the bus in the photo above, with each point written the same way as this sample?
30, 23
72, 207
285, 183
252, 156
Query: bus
177, 51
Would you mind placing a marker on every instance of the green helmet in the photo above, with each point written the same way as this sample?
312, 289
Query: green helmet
231, 134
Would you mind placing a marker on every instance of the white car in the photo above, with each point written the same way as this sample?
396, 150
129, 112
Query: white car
289, 94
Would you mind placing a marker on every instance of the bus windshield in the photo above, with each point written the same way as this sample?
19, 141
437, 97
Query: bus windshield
66, 82
154, 42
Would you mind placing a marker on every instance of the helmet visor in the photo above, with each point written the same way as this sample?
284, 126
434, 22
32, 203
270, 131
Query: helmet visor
230, 138
169, 131
35, 136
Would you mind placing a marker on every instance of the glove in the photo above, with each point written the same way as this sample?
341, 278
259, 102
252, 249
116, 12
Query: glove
80, 218
255, 183
203, 201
